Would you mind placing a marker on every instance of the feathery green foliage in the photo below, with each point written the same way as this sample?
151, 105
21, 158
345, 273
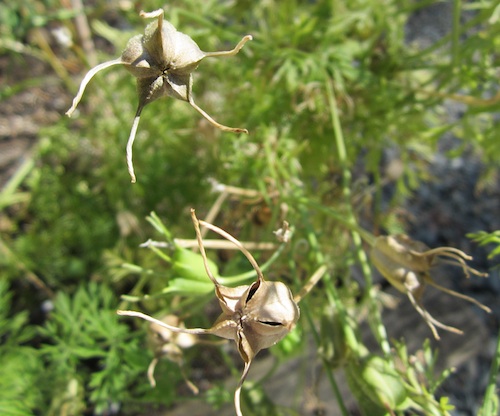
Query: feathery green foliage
330, 91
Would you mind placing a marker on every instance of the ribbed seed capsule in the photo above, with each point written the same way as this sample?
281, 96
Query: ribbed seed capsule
407, 264
255, 316
162, 60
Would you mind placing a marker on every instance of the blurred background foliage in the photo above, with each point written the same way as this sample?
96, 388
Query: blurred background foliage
71, 222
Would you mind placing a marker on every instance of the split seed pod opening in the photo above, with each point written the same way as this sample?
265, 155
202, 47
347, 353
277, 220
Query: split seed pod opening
162, 60
255, 316
407, 263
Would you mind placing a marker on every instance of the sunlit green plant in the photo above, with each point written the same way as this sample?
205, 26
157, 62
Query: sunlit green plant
328, 91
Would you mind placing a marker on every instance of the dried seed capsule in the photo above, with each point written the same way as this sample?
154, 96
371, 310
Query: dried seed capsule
255, 316
407, 264
162, 60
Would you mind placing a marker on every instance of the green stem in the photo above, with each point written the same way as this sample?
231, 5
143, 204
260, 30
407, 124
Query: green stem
480, 17
334, 299
124, 304
375, 318
377, 198
455, 35
155, 221
326, 366
490, 401
331, 291
8, 195
167, 259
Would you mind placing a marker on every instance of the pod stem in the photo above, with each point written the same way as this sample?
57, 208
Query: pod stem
233, 51
375, 318
213, 122
87, 79
130, 142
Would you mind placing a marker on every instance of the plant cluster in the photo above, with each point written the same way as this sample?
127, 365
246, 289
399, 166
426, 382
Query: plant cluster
344, 117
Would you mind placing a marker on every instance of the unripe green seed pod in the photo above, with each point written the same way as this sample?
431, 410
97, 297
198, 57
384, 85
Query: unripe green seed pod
190, 266
376, 385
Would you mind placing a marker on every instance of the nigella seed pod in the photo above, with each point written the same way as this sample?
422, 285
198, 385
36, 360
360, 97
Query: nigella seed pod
162, 60
255, 316
407, 264
189, 265
376, 385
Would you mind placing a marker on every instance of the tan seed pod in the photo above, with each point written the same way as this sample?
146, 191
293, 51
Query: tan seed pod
162, 60
407, 264
255, 316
